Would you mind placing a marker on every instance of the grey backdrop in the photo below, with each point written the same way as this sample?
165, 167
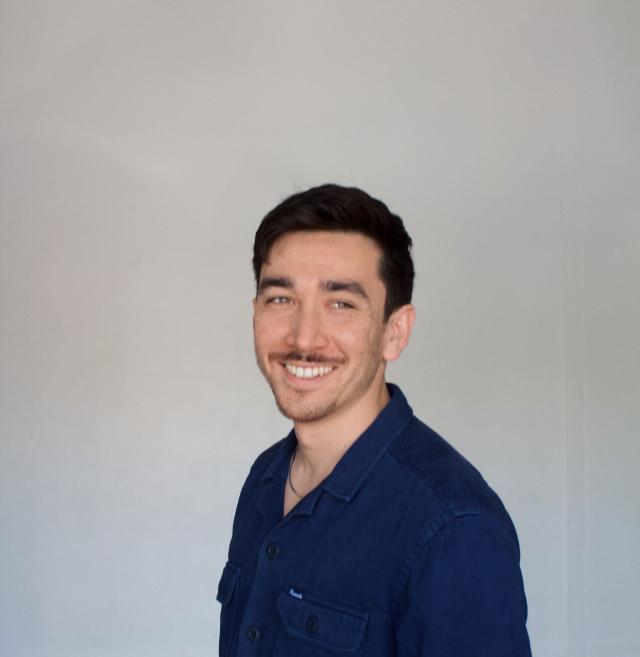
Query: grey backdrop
140, 144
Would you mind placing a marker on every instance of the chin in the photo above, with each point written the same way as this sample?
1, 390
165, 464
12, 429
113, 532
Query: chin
299, 411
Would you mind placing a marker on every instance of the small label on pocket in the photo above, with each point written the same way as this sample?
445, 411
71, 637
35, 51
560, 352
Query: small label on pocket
295, 594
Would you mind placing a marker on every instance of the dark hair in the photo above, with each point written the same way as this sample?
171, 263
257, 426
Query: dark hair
350, 210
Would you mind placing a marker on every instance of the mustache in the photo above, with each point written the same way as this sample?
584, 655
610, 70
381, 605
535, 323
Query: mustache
298, 356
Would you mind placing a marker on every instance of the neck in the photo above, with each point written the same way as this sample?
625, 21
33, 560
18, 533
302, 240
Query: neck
322, 443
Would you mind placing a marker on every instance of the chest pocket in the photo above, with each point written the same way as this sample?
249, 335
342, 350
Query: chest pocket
226, 597
314, 627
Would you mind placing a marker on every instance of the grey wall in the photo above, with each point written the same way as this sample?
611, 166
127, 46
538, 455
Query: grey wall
140, 143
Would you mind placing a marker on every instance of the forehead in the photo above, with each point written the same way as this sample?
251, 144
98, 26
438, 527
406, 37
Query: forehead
324, 253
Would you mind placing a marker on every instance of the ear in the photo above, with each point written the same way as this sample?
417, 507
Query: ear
398, 331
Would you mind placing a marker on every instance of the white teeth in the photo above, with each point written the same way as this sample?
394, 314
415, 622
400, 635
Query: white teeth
307, 372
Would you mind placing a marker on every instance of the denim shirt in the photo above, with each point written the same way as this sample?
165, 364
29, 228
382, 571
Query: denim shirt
403, 550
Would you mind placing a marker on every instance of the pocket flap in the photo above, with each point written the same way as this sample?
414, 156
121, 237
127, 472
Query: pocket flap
227, 584
331, 626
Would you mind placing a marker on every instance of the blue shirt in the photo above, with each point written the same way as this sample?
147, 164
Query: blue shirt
403, 550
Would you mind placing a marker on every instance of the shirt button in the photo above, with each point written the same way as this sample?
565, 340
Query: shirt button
273, 551
253, 633
312, 624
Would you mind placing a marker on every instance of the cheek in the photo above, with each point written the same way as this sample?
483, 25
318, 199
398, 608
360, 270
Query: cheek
260, 333
353, 336
268, 329
366, 339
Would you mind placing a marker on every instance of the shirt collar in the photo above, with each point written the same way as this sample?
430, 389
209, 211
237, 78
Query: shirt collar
283, 453
352, 469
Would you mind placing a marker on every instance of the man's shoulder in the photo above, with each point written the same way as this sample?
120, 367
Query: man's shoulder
445, 474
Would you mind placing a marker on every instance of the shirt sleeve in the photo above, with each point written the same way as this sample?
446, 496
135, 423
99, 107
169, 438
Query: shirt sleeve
463, 595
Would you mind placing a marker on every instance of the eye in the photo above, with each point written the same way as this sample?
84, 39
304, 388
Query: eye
278, 301
341, 305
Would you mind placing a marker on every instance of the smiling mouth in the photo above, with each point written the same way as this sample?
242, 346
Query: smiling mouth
308, 372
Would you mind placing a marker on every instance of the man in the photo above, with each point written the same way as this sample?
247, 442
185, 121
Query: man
362, 532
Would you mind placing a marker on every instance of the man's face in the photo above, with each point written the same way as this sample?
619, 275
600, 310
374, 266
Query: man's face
319, 323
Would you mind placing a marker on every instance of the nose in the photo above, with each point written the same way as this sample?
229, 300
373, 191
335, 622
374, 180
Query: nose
306, 331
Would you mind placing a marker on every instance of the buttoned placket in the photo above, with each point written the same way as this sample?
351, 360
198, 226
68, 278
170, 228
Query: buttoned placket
254, 630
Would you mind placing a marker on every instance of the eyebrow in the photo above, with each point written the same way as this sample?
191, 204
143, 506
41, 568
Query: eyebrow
274, 281
345, 286
328, 286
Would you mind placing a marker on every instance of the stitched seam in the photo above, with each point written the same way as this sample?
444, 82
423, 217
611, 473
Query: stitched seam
423, 541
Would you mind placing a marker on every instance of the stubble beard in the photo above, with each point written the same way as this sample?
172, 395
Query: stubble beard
306, 413
293, 405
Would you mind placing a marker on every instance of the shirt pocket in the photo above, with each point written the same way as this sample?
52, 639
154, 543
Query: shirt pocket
314, 627
228, 599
